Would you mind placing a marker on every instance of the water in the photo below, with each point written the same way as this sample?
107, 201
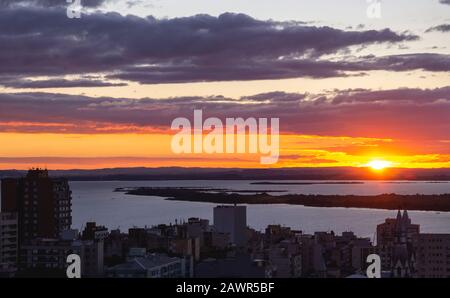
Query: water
97, 201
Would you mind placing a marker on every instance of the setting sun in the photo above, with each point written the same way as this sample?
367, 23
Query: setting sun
379, 164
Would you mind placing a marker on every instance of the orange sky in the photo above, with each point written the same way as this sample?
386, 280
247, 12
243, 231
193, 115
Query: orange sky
89, 151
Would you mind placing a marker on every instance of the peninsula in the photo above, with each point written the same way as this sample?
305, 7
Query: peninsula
383, 201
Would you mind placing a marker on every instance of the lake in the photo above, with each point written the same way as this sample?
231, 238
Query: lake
97, 201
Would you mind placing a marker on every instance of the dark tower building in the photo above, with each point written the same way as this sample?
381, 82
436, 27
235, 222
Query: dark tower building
43, 204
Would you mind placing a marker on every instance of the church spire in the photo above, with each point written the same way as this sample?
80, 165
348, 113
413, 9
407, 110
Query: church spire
405, 215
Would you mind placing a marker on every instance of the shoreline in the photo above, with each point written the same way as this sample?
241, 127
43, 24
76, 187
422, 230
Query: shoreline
417, 202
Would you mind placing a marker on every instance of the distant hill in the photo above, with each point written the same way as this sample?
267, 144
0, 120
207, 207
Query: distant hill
175, 173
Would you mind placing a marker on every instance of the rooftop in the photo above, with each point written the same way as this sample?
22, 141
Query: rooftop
146, 263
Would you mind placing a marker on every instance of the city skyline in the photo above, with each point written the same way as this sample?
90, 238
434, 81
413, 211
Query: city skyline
37, 240
101, 91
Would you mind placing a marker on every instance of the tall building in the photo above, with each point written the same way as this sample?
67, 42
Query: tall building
43, 204
232, 220
432, 255
8, 239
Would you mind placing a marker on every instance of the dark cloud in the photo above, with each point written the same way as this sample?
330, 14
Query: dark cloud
406, 62
441, 28
276, 95
445, 2
48, 3
397, 113
281, 68
250, 69
43, 42
57, 83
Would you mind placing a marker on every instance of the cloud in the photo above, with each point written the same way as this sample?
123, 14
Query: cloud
50, 160
48, 3
281, 68
424, 61
44, 42
57, 83
276, 95
440, 28
445, 2
397, 113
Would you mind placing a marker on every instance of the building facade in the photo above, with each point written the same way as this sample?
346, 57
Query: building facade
45, 257
8, 239
395, 245
432, 255
43, 204
149, 266
232, 220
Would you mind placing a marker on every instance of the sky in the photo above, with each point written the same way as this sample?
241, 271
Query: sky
102, 90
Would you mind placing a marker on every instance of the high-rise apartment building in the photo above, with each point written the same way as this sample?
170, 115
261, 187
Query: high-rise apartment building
43, 204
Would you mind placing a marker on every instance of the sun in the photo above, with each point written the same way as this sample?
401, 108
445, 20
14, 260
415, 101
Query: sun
378, 164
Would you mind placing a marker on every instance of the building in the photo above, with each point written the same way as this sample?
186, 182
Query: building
43, 204
432, 255
8, 240
405, 252
49, 256
116, 247
394, 228
45, 257
149, 266
232, 220
276, 233
43, 208
395, 245
360, 249
91, 254
7, 270
94, 232
240, 266
313, 260
216, 240
90, 248
185, 247
195, 228
285, 259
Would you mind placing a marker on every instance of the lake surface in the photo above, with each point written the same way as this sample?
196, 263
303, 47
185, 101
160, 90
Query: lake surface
97, 201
